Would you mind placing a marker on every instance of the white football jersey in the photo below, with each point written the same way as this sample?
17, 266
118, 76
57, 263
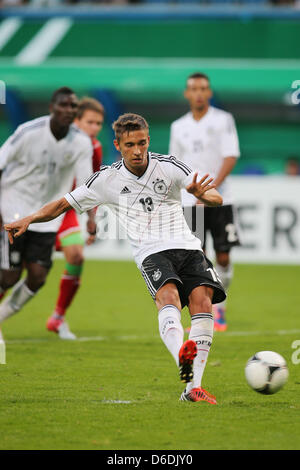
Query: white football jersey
37, 168
148, 207
203, 145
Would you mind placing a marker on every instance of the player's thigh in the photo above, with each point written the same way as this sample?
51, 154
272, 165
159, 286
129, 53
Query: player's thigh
168, 295
161, 279
200, 299
199, 271
9, 277
73, 254
38, 257
36, 275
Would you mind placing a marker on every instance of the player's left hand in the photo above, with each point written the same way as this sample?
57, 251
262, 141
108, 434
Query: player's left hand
200, 187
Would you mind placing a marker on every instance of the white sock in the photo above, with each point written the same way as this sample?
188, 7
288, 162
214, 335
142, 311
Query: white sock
2, 350
19, 296
202, 330
170, 329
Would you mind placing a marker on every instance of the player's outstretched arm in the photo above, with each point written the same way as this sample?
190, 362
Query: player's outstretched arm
48, 212
205, 191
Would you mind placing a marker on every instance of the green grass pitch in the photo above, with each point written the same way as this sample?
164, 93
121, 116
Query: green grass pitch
117, 387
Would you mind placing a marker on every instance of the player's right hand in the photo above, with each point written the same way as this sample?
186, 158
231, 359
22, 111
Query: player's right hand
16, 229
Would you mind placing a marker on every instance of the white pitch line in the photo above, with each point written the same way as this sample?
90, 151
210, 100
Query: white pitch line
148, 337
118, 402
8, 28
41, 45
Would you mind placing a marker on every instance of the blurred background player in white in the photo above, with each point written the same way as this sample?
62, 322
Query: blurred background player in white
38, 163
206, 139
69, 239
144, 191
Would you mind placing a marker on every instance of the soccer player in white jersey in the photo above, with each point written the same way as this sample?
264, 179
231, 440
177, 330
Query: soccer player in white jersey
206, 139
38, 163
143, 190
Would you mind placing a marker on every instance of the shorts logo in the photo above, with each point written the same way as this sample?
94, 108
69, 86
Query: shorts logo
157, 275
160, 186
15, 257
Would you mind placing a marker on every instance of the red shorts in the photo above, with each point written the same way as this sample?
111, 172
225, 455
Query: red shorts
70, 225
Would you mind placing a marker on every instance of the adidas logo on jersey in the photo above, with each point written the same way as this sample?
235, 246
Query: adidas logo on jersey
125, 190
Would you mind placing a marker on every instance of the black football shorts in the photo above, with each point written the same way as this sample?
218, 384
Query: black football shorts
186, 268
31, 247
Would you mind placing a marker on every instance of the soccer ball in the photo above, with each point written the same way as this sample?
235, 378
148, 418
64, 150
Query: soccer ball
266, 372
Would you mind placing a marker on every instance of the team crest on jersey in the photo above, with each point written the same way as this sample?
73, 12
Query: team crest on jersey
160, 186
156, 275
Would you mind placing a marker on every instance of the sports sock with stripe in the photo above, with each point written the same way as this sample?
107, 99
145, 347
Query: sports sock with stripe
170, 329
202, 329
69, 284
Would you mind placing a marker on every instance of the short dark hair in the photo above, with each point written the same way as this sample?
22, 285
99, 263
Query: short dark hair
198, 75
64, 90
129, 122
89, 104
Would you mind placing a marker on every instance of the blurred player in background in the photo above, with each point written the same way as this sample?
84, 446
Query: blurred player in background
39, 163
292, 166
69, 239
144, 191
206, 139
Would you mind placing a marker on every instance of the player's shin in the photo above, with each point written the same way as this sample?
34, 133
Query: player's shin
19, 296
170, 329
202, 329
69, 284
225, 273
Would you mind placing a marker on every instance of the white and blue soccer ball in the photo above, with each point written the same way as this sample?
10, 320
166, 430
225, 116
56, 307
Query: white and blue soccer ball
266, 372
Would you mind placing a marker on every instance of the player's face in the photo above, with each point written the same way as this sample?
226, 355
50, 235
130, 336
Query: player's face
134, 147
91, 123
198, 93
64, 109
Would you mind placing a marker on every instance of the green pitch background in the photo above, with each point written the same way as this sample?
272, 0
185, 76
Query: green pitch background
117, 387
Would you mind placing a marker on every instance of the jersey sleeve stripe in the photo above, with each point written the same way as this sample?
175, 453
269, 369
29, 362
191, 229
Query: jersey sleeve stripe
181, 163
92, 179
172, 159
77, 203
175, 162
117, 165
